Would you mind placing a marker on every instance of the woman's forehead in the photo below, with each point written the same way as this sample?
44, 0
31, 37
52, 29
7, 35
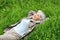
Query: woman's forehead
37, 14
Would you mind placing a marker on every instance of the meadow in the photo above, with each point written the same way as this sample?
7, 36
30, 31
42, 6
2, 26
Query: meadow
11, 11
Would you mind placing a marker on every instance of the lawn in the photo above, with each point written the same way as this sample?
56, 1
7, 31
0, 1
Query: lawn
11, 11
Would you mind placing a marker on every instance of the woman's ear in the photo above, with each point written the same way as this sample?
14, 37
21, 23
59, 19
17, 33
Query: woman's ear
31, 13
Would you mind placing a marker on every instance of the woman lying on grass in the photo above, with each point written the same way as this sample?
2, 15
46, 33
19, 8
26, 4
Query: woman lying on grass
24, 27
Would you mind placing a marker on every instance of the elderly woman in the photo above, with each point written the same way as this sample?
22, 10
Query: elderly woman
24, 27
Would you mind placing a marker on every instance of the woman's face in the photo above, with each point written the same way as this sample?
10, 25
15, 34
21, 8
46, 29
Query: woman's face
36, 16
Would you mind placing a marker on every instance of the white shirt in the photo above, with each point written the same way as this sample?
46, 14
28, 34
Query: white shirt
21, 28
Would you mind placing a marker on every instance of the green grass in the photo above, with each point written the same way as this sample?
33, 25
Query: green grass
12, 11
